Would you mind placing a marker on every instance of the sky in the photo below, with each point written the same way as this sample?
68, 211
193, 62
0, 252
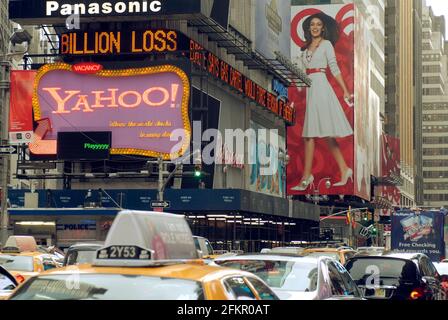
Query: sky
440, 7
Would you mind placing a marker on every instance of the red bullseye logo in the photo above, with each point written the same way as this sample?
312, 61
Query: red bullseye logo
87, 68
302, 15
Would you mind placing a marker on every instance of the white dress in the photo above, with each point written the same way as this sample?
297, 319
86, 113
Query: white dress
324, 116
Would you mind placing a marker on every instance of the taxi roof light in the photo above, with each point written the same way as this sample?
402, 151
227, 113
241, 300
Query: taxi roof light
17, 244
141, 238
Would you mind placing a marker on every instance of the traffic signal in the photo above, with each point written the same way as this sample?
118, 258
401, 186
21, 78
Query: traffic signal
198, 171
365, 216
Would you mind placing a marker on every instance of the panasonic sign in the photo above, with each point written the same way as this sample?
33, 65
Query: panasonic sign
104, 8
35, 12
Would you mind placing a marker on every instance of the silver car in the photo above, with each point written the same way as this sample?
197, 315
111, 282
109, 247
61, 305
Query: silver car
298, 278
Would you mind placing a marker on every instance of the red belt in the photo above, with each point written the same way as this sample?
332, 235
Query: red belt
317, 70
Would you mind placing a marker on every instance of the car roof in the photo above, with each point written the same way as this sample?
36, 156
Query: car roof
272, 257
23, 254
396, 256
186, 271
332, 250
86, 245
407, 256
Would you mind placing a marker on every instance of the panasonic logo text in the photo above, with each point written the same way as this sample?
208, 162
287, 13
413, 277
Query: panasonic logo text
55, 8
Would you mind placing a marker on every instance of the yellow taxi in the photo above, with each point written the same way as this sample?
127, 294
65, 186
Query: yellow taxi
146, 256
22, 259
339, 254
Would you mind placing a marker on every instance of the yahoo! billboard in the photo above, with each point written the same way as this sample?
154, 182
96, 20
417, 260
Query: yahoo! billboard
141, 107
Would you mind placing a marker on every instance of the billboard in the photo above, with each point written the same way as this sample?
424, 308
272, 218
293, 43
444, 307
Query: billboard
21, 111
419, 231
141, 107
272, 28
321, 144
390, 168
272, 183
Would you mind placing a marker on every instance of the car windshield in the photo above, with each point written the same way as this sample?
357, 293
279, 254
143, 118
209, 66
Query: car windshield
332, 255
17, 263
80, 257
108, 287
362, 269
6, 283
282, 275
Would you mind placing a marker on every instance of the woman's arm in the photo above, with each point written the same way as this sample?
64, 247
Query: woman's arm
347, 95
333, 64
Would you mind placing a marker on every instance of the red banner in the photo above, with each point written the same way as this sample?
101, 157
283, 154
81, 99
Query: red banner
390, 167
21, 109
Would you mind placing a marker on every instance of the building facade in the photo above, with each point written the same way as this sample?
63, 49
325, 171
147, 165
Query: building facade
403, 90
232, 204
435, 110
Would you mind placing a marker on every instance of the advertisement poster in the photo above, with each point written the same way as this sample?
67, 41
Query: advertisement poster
321, 144
143, 108
271, 184
273, 29
419, 231
21, 111
390, 168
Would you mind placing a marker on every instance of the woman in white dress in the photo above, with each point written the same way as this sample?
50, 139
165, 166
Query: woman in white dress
325, 117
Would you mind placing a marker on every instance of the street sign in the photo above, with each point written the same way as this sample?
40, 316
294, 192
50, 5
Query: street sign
161, 204
8, 150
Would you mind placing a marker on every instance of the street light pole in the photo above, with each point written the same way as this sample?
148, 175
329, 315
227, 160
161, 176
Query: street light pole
4, 98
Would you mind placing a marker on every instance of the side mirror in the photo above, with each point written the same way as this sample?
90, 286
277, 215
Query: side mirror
200, 254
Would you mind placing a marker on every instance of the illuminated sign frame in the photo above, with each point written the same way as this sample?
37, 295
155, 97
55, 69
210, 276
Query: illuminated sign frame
51, 150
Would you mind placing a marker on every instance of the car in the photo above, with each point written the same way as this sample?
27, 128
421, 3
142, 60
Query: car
7, 283
81, 253
341, 254
20, 256
204, 246
146, 256
298, 278
56, 254
442, 269
396, 276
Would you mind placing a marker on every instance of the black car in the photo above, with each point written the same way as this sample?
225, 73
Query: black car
396, 276
81, 253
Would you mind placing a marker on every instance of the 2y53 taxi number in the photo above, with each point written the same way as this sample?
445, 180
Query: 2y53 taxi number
124, 252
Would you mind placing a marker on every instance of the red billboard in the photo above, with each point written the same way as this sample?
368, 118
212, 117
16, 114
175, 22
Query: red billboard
390, 168
321, 144
21, 110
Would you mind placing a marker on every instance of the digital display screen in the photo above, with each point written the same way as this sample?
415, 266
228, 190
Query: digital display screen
84, 145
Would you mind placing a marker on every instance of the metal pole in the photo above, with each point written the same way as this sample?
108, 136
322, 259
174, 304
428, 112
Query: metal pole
4, 90
160, 194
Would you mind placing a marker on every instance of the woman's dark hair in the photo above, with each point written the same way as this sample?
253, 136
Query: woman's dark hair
331, 29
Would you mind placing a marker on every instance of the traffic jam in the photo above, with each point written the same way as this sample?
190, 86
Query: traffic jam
154, 256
